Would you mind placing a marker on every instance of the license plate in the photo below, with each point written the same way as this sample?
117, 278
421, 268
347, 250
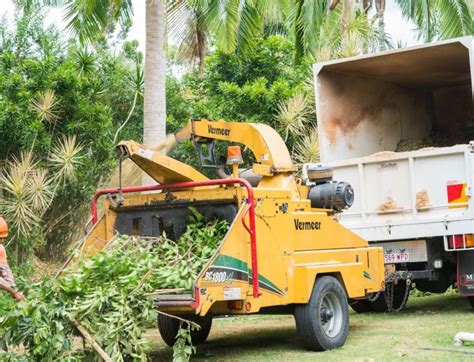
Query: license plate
397, 258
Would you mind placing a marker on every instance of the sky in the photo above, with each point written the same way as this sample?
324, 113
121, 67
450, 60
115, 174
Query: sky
395, 25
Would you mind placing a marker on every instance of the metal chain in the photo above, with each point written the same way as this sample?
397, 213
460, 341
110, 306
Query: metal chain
390, 291
374, 297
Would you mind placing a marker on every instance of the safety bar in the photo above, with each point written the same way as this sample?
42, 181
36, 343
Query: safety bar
191, 184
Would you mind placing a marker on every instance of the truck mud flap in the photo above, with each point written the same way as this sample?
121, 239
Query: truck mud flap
465, 272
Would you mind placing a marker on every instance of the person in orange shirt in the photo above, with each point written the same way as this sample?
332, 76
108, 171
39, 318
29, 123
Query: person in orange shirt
7, 282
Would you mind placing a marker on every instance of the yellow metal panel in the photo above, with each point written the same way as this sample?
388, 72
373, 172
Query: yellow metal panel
264, 170
312, 228
295, 244
211, 193
161, 168
265, 143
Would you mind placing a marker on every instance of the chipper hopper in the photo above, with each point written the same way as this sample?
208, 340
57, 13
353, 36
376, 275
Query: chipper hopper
284, 251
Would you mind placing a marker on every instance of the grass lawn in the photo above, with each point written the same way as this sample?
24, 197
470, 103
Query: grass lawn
427, 322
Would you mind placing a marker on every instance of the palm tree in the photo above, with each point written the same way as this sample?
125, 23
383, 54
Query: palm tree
439, 19
188, 29
87, 20
235, 23
154, 108
435, 19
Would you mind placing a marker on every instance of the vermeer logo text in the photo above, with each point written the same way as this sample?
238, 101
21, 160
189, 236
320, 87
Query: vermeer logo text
307, 225
215, 130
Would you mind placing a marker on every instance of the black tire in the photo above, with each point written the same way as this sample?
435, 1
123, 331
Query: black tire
380, 304
168, 328
361, 306
470, 299
318, 330
446, 278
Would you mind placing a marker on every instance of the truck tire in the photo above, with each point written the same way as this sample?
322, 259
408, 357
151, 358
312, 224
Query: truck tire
445, 278
168, 328
470, 299
380, 304
323, 323
361, 306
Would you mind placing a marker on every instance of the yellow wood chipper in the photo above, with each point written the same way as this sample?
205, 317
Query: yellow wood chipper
284, 251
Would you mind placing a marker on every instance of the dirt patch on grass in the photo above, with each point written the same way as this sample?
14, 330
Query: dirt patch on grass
43, 269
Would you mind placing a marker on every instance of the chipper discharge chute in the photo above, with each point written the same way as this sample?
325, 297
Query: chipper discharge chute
284, 251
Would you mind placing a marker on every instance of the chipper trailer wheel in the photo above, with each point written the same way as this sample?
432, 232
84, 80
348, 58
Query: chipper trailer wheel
323, 323
168, 328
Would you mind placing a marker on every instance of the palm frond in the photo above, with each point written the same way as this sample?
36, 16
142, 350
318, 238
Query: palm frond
455, 18
87, 19
360, 36
46, 106
292, 115
41, 190
420, 12
351, 46
438, 19
187, 28
85, 60
222, 18
258, 16
65, 157
307, 148
250, 26
308, 17
16, 204
236, 23
323, 54
274, 11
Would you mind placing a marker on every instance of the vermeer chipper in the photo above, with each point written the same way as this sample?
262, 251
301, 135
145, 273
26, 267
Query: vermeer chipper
284, 251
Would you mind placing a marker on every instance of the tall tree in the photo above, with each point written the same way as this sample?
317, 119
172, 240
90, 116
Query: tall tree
88, 20
439, 19
435, 19
154, 108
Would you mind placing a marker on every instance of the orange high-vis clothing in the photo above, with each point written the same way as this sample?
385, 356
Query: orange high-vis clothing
3, 254
5, 271
3, 228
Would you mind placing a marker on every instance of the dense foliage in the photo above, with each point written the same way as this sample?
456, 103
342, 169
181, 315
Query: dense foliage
251, 88
246, 88
51, 90
109, 294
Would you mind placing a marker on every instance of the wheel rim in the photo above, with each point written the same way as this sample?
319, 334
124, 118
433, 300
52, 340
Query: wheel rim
331, 315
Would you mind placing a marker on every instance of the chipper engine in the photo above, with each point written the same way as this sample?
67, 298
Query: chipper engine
284, 251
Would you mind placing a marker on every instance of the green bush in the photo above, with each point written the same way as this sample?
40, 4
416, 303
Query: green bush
110, 295
246, 88
50, 90
236, 87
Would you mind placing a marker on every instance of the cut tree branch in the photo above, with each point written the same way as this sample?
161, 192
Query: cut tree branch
88, 337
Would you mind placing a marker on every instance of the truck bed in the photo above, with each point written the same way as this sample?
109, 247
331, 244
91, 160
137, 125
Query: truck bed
408, 195
369, 106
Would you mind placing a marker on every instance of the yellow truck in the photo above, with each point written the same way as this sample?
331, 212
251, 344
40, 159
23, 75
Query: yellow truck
284, 252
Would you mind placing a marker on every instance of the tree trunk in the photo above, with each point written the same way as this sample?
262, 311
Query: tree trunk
346, 16
380, 8
366, 5
154, 112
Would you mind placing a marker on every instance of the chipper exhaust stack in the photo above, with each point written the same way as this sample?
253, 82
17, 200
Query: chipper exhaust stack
282, 253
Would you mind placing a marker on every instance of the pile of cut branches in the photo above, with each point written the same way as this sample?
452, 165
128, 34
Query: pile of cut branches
109, 296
